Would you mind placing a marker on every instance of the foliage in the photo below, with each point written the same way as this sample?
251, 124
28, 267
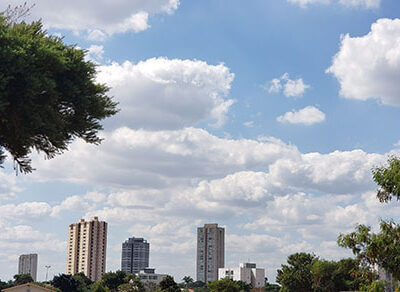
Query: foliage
376, 286
48, 94
198, 284
169, 285
272, 287
4, 285
98, 287
66, 283
22, 279
113, 280
297, 275
224, 285
188, 281
306, 272
132, 284
388, 180
382, 249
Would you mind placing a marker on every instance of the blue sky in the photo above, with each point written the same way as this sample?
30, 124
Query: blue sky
228, 115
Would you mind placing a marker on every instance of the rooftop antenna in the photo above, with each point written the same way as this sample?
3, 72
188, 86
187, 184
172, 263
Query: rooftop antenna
47, 271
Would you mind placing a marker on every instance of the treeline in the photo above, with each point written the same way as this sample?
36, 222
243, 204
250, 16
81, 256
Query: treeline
119, 281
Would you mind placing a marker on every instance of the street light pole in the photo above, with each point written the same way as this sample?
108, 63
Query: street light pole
47, 271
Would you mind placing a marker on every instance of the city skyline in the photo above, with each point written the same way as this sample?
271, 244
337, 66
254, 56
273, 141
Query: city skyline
264, 116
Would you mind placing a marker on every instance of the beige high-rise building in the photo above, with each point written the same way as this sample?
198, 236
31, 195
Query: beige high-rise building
86, 248
210, 252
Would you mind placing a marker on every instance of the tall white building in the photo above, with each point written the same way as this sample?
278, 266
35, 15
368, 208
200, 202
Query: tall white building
210, 252
86, 248
246, 272
28, 265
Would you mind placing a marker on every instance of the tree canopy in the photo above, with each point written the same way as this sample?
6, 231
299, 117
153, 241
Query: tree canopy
306, 272
388, 179
382, 249
48, 94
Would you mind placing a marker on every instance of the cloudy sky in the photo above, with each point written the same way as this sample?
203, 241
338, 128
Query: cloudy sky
264, 116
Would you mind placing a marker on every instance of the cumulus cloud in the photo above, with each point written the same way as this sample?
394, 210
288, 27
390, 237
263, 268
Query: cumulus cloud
308, 116
72, 203
369, 4
99, 19
361, 3
95, 53
162, 93
159, 158
368, 67
291, 88
25, 211
304, 3
8, 185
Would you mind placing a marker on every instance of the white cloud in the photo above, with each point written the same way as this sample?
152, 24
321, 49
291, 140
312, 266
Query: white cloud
291, 88
8, 185
361, 3
72, 203
95, 53
369, 66
160, 93
304, 3
25, 211
99, 19
249, 124
159, 158
368, 4
308, 116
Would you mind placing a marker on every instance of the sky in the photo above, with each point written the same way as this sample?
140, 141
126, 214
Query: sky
263, 116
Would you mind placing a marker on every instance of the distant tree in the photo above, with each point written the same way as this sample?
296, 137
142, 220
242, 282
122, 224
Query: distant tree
66, 283
150, 286
99, 287
169, 285
324, 273
244, 286
132, 284
22, 279
297, 276
3, 285
272, 287
198, 284
48, 93
113, 280
380, 249
83, 282
188, 281
388, 179
224, 285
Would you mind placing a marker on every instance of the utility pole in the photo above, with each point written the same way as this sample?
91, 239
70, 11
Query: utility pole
47, 271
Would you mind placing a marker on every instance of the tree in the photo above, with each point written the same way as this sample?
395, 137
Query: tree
224, 285
388, 179
169, 285
22, 279
132, 284
113, 280
98, 287
382, 249
66, 283
82, 281
297, 275
324, 273
48, 94
188, 281
272, 287
3, 285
